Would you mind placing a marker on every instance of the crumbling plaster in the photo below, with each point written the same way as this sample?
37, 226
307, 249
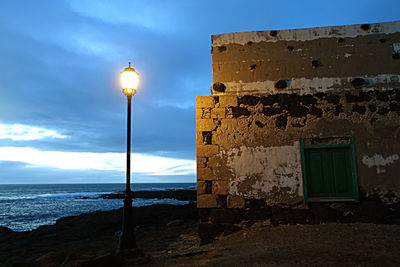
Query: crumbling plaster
272, 88
266, 172
379, 161
251, 143
315, 85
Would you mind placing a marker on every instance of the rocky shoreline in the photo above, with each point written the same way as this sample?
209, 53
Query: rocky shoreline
76, 240
178, 194
167, 235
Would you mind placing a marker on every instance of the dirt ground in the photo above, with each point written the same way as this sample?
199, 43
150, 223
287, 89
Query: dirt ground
330, 244
167, 235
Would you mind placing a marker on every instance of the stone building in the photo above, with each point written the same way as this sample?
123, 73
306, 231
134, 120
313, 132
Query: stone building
298, 117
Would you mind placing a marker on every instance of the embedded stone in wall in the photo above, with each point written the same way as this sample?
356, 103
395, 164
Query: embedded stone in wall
218, 113
220, 187
207, 201
205, 125
205, 102
228, 101
235, 202
201, 162
199, 113
218, 87
205, 174
207, 150
201, 187
229, 123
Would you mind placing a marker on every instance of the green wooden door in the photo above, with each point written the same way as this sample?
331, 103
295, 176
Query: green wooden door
329, 173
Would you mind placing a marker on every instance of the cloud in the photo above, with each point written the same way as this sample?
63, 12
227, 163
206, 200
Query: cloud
61, 62
18, 173
141, 163
18, 132
134, 13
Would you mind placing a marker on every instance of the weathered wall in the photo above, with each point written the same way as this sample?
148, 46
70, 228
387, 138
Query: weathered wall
249, 144
272, 88
307, 60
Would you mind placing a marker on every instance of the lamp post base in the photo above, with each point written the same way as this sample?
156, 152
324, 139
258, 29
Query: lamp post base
127, 240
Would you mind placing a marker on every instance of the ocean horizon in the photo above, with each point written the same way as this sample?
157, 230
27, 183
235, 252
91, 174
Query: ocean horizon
132, 184
24, 207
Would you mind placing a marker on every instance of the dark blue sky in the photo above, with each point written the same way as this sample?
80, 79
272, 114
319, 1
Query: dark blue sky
62, 112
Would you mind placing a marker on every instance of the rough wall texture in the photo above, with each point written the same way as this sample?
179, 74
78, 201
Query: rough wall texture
272, 88
307, 60
251, 145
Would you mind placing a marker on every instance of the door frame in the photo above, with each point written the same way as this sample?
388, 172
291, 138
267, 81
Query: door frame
350, 147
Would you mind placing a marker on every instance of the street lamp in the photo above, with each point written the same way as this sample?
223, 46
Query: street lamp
129, 81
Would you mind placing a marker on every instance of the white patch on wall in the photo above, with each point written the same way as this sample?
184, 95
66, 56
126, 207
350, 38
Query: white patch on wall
379, 162
303, 86
349, 31
347, 55
274, 167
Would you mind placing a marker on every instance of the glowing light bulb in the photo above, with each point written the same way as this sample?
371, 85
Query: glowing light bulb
129, 80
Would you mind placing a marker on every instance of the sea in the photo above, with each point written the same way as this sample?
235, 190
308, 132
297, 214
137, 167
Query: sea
26, 207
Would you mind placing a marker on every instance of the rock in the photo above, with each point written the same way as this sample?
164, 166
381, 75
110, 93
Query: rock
373, 210
266, 223
249, 224
49, 259
90, 237
231, 229
180, 194
323, 213
283, 216
347, 210
209, 231
281, 84
222, 216
4, 230
174, 223
259, 214
218, 87
358, 82
337, 205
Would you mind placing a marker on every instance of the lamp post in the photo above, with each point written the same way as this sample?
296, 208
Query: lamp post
129, 81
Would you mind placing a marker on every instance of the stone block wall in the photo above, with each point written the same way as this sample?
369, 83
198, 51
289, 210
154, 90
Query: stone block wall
271, 89
249, 148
